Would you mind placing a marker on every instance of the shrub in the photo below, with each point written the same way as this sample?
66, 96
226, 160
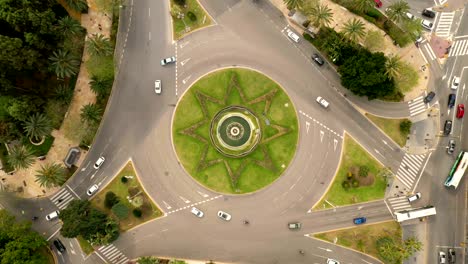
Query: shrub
120, 210
345, 185
374, 13
124, 179
306, 23
110, 200
180, 2
370, 19
363, 171
307, 37
137, 212
349, 176
405, 126
191, 16
355, 183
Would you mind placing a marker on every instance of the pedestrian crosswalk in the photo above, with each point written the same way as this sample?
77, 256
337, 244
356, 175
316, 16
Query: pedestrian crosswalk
459, 48
409, 169
417, 106
444, 24
427, 47
112, 254
399, 203
63, 197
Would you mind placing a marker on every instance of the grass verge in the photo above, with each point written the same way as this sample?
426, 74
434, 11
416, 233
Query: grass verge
407, 79
391, 127
85, 246
353, 157
132, 189
188, 23
363, 238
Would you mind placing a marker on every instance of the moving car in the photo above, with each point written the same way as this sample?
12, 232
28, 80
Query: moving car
378, 3
332, 261
223, 215
429, 97
428, 13
92, 189
168, 60
322, 102
318, 59
295, 226
59, 245
442, 257
99, 162
460, 110
426, 24
53, 215
452, 257
157, 87
447, 127
455, 82
196, 212
414, 197
359, 220
292, 35
451, 100
451, 146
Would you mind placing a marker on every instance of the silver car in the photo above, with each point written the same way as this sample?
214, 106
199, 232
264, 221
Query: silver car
223, 215
92, 189
157, 87
427, 24
196, 212
168, 60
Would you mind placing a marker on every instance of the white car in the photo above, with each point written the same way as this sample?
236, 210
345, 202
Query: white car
442, 257
332, 261
427, 24
322, 102
414, 197
168, 60
92, 189
223, 215
157, 87
292, 35
99, 162
196, 212
410, 16
53, 215
455, 82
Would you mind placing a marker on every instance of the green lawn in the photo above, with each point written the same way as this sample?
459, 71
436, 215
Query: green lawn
407, 79
124, 190
354, 156
363, 238
85, 246
391, 127
275, 150
185, 25
40, 150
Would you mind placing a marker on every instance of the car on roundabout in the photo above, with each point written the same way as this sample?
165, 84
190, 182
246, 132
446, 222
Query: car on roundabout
332, 261
99, 162
197, 212
225, 216
322, 102
359, 220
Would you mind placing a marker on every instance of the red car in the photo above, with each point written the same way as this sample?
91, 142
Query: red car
460, 110
378, 3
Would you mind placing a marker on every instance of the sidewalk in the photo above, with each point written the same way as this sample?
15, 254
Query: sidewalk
95, 22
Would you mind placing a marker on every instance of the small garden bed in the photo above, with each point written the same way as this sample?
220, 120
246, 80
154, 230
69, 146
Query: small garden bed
391, 127
187, 16
42, 149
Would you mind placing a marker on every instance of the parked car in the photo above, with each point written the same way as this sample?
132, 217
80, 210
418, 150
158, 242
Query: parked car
378, 3
414, 197
53, 215
429, 97
59, 245
455, 82
426, 24
452, 257
451, 100
322, 102
292, 35
92, 189
410, 16
223, 215
332, 261
428, 13
157, 86
294, 226
196, 212
447, 127
359, 220
460, 110
442, 257
168, 60
451, 147
318, 59
99, 162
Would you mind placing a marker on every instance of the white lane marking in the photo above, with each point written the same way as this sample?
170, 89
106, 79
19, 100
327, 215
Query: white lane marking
182, 63
186, 79
183, 199
307, 127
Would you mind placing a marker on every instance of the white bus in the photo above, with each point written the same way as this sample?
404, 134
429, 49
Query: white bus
415, 213
457, 171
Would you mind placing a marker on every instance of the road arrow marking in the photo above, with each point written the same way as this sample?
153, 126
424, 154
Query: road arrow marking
184, 44
326, 249
186, 79
307, 127
167, 205
184, 61
335, 143
94, 174
183, 199
203, 194
321, 135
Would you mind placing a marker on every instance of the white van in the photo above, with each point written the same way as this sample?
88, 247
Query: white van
52, 215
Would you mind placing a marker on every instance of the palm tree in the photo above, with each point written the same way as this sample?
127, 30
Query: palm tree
100, 86
100, 45
91, 113
20, 157
77, 5
354, 30
363, 5
393, 66
292, 4
64, 63
63, 93
37, 126
69, 26
397, 10
51, 175
321, 15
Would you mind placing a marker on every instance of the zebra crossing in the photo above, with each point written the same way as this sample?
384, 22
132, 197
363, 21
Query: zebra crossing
112, 254
459, 48
399, 203
408, 171
444, 24
417, 106
63, 197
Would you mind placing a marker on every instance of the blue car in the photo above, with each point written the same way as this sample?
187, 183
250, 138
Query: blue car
359, 220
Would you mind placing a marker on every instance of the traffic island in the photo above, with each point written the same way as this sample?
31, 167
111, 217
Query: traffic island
235, 131
397, 129
188, 16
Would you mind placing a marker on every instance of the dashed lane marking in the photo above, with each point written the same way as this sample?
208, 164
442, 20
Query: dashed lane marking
194, 204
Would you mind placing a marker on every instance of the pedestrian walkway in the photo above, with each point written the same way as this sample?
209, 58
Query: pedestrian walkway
459, 48
428, 50
417, 106
444, 24
399, 203
63, 197
409, 169
112, 254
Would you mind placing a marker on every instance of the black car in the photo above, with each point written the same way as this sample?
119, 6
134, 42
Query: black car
318, 59
429, 97
428, 13
447, 127
451, 100
59, 245
452, 257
